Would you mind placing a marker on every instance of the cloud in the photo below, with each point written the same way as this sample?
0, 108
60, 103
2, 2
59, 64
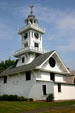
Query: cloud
62, 26
6, 31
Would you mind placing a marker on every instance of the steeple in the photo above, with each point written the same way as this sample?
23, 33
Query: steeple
31, 39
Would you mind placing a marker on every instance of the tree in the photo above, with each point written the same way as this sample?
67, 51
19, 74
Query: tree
5, 64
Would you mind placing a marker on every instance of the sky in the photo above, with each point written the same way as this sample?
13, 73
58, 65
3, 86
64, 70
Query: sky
56, 16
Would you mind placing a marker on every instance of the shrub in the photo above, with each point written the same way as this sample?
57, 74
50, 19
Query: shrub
20, 98
25, 99
12, 97
0, 97
50, 98
30, 99
4, 97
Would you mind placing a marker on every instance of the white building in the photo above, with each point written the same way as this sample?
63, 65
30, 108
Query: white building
36, 73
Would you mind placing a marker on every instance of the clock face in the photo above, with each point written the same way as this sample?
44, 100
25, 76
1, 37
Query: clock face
25, 35
52, 62
36, 35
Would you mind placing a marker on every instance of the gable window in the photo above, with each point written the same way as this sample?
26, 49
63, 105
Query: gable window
52, 76
5, 79
52, 62
36, 45
23, 59
44, 89
59, 87
28, 75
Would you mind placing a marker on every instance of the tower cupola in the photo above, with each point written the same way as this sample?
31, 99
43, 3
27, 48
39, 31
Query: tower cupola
31, 18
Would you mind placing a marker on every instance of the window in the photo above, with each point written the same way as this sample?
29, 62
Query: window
52, 62
31, 21
5, 79
52, 76
23, 59
44, 89
59, 87
36, 35
36, 44
26, 45
25, 35
28, 75
74, 80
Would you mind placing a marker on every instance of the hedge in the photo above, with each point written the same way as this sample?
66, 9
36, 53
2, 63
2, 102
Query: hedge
6, 97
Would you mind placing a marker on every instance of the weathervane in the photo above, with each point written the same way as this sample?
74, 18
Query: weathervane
31, 7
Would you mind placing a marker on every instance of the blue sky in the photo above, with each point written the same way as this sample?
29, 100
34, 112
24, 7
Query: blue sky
56, 16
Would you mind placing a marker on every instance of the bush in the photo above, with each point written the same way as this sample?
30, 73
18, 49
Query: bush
12, 97
25, 99
20, 98
50, 98
4, 97
30, 99
0, 97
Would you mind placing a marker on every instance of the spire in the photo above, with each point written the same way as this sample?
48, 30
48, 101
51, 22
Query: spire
31, 7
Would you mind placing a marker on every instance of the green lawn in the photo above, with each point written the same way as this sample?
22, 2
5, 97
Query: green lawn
66, 110
18, 107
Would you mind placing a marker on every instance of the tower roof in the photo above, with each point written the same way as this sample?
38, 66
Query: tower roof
31, 18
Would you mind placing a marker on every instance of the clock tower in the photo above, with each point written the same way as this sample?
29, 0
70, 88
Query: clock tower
31, 40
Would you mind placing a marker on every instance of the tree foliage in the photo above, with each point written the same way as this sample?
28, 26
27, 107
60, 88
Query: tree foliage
5, 64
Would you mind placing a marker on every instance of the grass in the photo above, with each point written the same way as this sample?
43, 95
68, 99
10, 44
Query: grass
66, 110
18, 107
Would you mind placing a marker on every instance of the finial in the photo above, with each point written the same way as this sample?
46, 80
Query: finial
31, 7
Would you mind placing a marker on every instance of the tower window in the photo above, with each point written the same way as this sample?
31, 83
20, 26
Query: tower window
36, 45
26, 45
28, 75
23, 59
44, 89
52, 76
59, 87
36, 35
25, 35
31, 21
5, 79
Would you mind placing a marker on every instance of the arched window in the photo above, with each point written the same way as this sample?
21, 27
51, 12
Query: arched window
23, 59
